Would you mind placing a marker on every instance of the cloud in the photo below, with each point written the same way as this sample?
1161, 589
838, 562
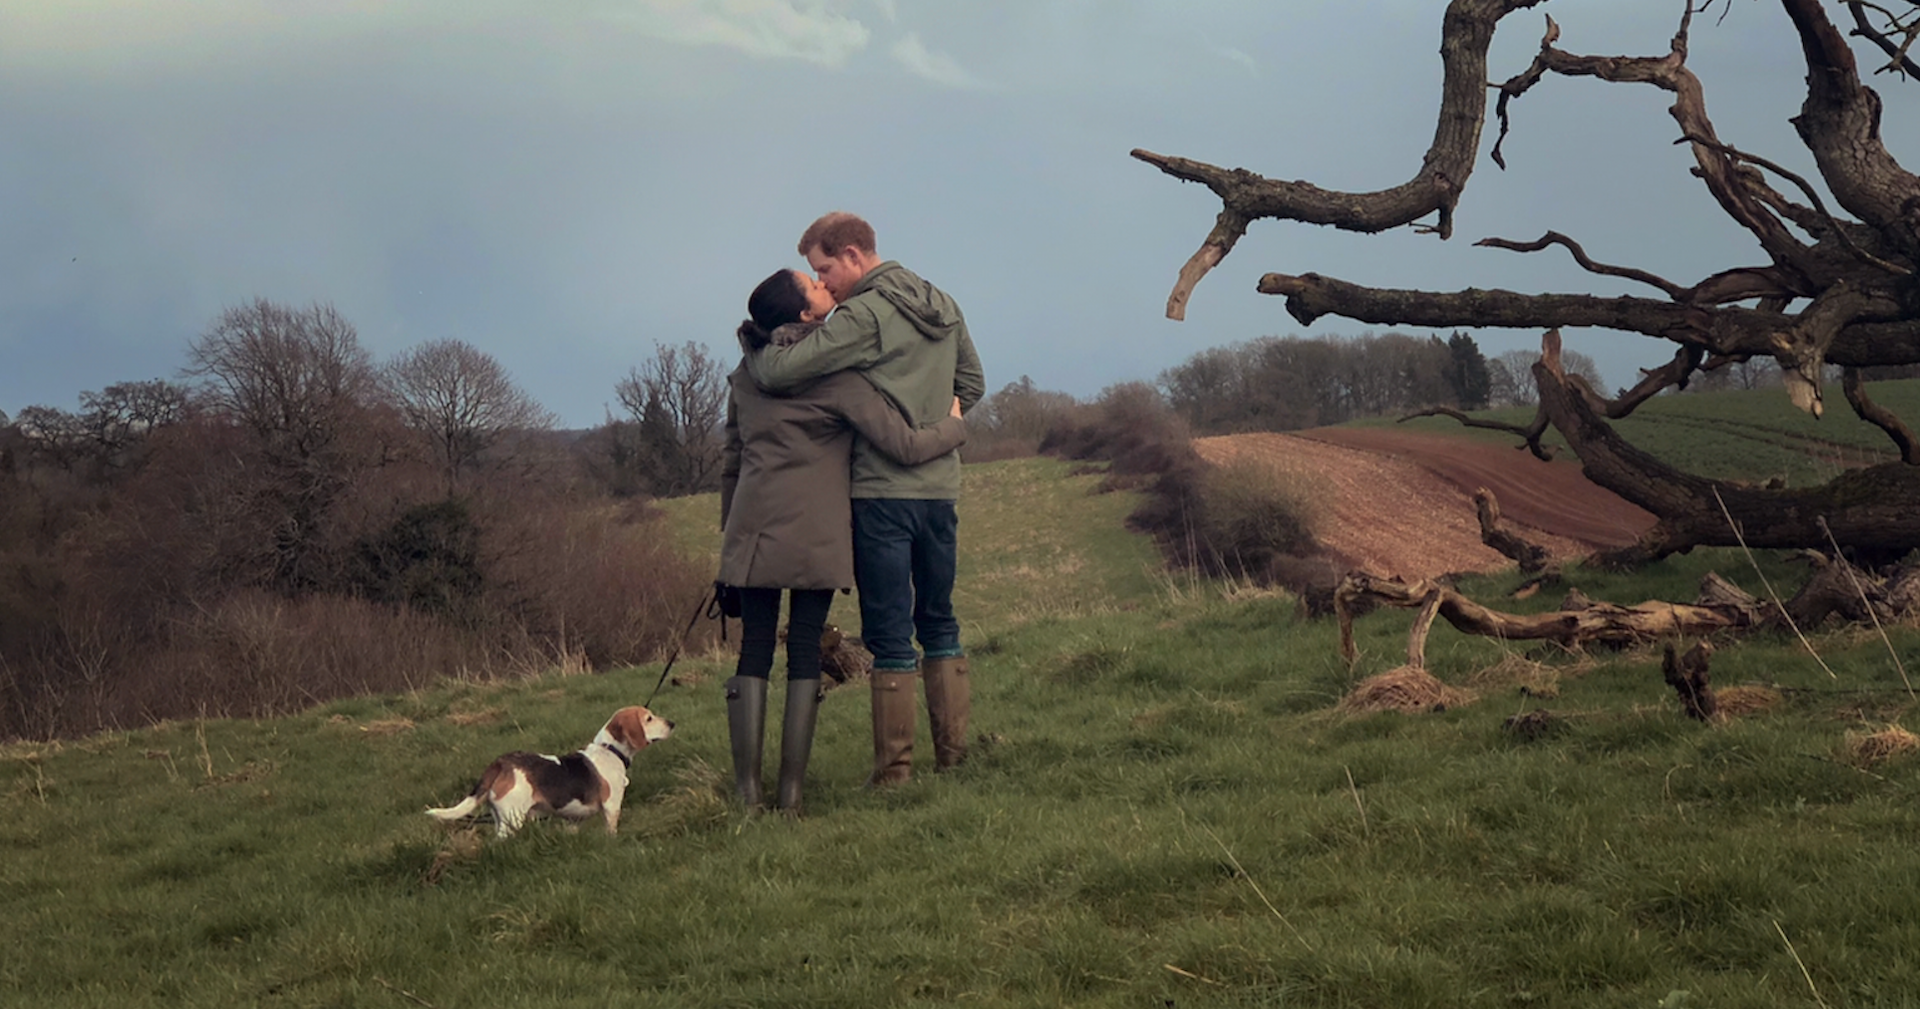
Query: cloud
1237, 56
939, 68
768, 29
108, 34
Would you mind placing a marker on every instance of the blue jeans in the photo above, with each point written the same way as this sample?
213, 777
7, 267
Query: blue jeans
905, 554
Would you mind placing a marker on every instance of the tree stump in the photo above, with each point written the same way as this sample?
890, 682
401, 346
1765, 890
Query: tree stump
1688, 676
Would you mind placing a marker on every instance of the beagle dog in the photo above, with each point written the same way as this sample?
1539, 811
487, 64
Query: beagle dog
520, 786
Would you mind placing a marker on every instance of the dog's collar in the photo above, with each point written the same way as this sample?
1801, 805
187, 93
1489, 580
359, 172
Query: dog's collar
625, 761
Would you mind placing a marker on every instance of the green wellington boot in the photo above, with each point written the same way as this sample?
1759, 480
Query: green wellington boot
746, 723
796, 741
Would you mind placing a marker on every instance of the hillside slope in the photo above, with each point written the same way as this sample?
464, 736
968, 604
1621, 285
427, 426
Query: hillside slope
1400, 502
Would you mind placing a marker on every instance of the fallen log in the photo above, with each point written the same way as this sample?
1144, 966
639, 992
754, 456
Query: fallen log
1579, 623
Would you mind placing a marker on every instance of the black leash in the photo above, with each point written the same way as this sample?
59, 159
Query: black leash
709, 605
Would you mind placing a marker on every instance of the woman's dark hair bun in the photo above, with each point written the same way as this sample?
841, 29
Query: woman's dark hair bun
777, 301
753, 335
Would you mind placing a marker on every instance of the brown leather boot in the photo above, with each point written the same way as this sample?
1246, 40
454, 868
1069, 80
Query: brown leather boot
949, 703
892, 727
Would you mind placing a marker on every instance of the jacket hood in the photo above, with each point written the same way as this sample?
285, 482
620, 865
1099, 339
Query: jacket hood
782, 336
792, 333
934, 314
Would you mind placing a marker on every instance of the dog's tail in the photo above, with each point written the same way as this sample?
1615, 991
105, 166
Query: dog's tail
475, 799
458, 811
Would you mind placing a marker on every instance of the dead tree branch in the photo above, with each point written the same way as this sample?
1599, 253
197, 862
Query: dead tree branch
1873, 413
1604, 623
1466, 32
1674, 291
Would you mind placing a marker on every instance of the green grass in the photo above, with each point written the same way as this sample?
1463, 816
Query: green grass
1167, 810
1732, 434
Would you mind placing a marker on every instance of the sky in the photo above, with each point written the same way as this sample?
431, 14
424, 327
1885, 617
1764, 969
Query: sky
567, 184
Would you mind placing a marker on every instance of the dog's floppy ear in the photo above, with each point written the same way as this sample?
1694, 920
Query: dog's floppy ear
629, 727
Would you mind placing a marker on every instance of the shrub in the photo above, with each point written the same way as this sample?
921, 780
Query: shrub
1251, 515
1132, 428
1243, 520
428, 560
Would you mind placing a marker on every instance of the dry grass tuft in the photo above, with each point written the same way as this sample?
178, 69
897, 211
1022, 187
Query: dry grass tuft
1738, 702
1866, 749
1514, 670
462, 845
1407, 688
485, 716
388, 727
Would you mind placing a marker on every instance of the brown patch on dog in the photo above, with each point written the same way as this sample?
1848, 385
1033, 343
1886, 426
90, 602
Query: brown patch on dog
501, 775
636, 727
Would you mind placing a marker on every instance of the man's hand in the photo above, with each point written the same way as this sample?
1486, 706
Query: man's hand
955, 412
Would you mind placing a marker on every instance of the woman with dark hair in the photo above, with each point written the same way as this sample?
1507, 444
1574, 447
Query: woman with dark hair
787, 520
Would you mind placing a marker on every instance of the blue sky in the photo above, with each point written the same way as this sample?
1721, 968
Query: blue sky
565, 183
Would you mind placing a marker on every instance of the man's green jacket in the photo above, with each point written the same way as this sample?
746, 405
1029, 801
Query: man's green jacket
909, 339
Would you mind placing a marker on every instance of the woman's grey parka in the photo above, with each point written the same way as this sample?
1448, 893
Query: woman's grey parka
785, 505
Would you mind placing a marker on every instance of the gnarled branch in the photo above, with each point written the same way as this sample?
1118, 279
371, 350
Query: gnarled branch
1674, 291
1879, 416
1466, 32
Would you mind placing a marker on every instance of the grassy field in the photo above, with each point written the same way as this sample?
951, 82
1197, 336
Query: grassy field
1746, 435
1165, 809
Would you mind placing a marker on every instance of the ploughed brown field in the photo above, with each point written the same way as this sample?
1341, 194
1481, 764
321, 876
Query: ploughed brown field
1401, 503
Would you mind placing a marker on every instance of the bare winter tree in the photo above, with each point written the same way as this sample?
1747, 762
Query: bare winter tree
52, 436
677, 402
1836, 283
305, 393
462, 402
1511, 375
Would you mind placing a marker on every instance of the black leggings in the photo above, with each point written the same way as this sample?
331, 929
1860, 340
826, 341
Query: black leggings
760, 631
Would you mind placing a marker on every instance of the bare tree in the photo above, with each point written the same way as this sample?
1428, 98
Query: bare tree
305, 393
1831, 289
293, 377
462, 402
51, 435
1021, 410
677, 402
119, 418
1511, 374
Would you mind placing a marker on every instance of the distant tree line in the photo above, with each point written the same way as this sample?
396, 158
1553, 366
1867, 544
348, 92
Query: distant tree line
291, 520
1289, 383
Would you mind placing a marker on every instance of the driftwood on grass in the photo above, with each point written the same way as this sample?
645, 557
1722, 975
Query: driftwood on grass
1576, 624
1500, 535
1688, 676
